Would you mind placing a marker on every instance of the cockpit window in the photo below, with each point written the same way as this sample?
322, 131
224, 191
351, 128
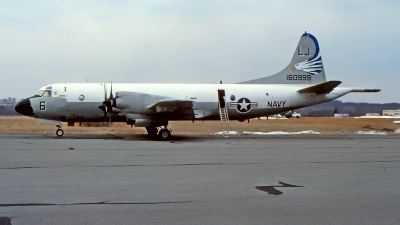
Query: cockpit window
44, 93
39, 93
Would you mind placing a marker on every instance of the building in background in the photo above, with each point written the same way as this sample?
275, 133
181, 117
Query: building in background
340, 115
393, 112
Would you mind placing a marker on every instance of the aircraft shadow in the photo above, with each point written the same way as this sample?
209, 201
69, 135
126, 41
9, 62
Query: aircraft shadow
271, 190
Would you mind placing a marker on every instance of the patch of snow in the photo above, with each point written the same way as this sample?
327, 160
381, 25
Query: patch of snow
396, 131
396, 121
271, 118
344, 132
229, 132
280, 133
371, 132
376, 117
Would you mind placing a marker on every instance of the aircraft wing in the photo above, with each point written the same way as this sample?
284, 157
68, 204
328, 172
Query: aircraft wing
170, 105
322, 88
142, 103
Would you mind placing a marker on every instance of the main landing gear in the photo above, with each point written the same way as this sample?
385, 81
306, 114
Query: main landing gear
59, 131
162, 134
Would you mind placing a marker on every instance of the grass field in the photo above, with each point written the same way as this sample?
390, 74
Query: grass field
21, 124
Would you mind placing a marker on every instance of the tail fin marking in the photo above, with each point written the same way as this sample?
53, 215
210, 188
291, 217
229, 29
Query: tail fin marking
306, 66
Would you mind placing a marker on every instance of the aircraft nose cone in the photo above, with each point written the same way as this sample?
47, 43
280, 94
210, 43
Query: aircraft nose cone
24, 107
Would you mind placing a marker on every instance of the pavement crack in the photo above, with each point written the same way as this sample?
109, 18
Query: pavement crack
206, 164
22, 167
89, 203
115, 136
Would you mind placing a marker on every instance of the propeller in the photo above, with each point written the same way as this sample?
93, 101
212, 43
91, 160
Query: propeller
108, 104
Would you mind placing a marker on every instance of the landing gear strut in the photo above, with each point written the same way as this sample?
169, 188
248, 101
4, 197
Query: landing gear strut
59, 131
152, 131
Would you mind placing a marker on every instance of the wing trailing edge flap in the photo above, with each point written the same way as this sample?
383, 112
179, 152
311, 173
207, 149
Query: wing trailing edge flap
321, 88
171, 105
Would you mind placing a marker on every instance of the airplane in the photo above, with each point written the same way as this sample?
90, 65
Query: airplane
302, 83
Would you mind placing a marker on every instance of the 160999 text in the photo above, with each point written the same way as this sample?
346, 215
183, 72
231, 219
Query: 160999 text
298, 77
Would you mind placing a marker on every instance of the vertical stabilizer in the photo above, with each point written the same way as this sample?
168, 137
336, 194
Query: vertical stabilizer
305, 68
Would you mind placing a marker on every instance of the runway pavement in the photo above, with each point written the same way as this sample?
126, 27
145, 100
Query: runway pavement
109, 179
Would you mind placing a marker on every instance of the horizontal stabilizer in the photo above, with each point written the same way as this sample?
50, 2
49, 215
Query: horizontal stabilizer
170, 105
365, 90
322, 88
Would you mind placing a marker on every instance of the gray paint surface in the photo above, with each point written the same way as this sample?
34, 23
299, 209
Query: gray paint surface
108, 179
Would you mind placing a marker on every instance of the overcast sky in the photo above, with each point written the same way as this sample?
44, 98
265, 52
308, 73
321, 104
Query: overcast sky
44, 42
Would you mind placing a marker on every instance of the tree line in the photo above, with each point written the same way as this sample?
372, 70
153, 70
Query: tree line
328, 109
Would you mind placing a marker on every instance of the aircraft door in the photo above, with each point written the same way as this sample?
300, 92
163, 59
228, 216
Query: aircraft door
221, 98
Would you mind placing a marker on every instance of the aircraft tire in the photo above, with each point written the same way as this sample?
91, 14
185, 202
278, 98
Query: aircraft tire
59, 132
152, 131
164, 134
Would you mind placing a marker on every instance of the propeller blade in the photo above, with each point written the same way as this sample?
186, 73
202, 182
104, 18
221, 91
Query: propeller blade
105, 92
108, 104
111, 94
103, 108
